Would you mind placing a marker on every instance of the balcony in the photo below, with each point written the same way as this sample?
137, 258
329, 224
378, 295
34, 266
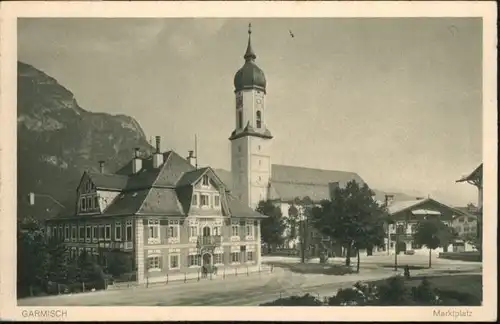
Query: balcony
128, 246
214, 240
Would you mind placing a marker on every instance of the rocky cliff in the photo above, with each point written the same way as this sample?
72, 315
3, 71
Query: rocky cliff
58, 140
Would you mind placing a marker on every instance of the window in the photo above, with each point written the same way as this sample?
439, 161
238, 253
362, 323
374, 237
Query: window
81, 233
216, 200
73, 233
258, 147
88, 233
118, 231
217, 231
461, 220
174, 261
193, 231
204, 200
260, 162
240, 119
154, 263
101, 232
258, 118
83, 204
107, 232
66, 232
239, 149
194, 260
235, 230
96, 202
218, 258
205, 181
194, 201
153, 226
94, 233
60, 232
89, 203
172, 231
250, 256
249, 229
235, 257
128, 233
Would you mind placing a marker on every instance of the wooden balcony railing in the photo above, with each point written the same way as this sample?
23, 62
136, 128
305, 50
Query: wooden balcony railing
214, 240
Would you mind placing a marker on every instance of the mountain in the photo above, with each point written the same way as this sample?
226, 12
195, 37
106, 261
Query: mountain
58, 140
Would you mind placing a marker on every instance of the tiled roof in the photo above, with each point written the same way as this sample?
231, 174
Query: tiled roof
302, 175
190, 177
399, 206
127, 203
239, 209
162, 191
108, 181
161, 201
477, 173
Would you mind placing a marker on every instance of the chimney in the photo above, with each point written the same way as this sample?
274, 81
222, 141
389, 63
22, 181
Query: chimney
157, 156
389, 199
101, 166
191, 158
137, 162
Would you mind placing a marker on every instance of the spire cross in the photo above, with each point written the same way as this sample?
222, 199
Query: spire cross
249, 28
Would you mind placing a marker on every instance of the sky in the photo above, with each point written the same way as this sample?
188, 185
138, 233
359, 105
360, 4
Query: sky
397, 100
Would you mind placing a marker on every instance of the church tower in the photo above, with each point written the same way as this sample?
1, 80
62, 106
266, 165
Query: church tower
250, 140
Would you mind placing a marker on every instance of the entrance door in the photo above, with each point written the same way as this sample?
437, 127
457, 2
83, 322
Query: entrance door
207, 259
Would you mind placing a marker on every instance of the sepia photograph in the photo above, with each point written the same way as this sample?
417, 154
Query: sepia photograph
250, 160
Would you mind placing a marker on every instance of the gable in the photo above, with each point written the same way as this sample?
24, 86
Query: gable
86, 185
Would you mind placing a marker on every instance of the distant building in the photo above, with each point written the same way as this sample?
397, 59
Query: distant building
407, 214
166, 215
475, 178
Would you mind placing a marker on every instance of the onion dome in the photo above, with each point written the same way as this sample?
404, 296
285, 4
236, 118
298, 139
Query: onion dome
250, 76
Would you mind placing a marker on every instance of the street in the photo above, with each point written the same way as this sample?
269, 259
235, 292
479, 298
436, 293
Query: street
250, 290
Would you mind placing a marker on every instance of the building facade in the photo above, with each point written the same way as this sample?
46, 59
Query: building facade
164, 214
406, 216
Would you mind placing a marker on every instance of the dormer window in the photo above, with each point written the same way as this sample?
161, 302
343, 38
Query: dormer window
83, 203
205, 181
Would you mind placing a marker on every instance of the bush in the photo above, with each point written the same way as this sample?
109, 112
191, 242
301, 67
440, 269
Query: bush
457, 298
306, 300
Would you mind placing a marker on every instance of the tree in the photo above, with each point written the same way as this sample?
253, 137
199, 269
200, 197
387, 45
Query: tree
352, 218
119, 263
306, 205
291, 222
273, 226
31, 256
58, 260
432, 233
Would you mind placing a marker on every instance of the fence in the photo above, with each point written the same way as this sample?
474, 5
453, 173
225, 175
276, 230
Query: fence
222, 274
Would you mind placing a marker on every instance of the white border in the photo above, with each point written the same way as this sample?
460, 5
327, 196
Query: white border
11, 10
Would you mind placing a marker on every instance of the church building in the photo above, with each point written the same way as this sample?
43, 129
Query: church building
253, 176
